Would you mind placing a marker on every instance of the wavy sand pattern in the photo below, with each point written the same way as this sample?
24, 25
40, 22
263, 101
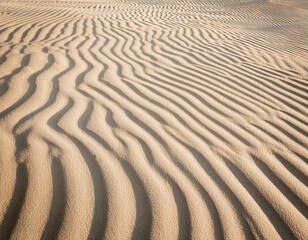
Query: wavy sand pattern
143, 119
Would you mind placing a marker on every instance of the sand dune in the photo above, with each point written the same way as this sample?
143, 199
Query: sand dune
149, 119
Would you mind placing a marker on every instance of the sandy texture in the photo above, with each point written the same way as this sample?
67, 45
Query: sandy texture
153, 119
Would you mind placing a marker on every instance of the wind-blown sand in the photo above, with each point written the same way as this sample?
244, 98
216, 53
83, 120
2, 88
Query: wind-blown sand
153, 119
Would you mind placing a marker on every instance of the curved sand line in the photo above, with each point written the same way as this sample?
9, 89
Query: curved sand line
152, 119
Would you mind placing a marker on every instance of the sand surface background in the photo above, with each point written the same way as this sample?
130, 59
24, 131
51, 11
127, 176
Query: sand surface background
153, 119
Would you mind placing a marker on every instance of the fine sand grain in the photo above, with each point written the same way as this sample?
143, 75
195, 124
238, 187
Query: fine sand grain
153, 119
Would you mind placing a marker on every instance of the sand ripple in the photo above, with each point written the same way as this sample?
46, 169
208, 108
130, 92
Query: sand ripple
152, 119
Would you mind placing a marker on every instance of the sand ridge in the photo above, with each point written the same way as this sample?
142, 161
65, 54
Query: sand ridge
149, 119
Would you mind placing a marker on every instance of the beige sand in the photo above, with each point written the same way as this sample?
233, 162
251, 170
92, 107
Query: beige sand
153, 119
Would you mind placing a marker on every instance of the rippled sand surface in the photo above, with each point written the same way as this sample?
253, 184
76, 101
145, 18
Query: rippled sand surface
154, 119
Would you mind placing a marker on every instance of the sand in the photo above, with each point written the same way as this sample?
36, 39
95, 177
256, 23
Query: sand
153, 119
